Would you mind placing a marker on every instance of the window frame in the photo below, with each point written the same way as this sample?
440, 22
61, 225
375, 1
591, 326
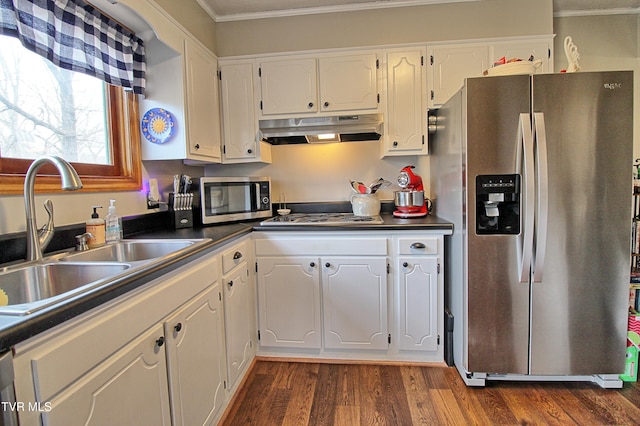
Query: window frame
126, 172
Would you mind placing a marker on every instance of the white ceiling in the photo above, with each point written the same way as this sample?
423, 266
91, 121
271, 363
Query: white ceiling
231, 10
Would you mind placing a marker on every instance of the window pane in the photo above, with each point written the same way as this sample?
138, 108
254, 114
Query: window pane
45, 110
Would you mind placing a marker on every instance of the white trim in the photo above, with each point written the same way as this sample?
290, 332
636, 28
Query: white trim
596, 12
321, 9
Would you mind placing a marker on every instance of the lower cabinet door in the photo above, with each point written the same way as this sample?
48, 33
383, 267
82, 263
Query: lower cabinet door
130, 388
418, 288
354, 296
289, 302
196, 359
238, 318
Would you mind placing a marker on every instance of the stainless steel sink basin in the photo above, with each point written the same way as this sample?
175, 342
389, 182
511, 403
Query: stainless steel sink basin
130, 251
49, 281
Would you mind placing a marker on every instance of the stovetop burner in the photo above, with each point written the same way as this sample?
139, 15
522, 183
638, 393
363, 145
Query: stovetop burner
321, 219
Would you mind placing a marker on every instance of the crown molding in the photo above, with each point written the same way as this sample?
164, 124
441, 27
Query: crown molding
322, 9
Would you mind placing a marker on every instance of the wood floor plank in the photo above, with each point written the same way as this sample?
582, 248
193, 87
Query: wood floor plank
298, 394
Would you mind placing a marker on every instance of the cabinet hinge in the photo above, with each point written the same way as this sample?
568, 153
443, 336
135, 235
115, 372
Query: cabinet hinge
378, 97
250, 343
220, 297
431, 60
258, 334
388, 268
259, 71
224, 149
260, 105
438, 340
378, 64
548, 53
432, 95
421, 60
422, 139
224, 384
256, 266
389, 338
220, 75
438, 268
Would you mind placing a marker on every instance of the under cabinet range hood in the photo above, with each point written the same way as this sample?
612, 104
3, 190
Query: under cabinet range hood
341, 128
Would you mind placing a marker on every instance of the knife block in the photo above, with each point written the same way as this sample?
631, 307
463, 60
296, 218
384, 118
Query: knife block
181, 216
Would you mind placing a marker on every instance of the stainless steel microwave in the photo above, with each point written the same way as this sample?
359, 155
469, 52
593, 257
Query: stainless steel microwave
227, 199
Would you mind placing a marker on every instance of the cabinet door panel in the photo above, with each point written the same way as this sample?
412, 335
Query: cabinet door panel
348, 83
238, 321
238, 111
418, 286
195, 352
354, 295
289, 86
451, 65
202, 104
289, 302
129, 388
406, 114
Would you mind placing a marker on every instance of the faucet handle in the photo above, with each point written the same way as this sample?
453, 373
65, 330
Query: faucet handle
45, 234
81, 241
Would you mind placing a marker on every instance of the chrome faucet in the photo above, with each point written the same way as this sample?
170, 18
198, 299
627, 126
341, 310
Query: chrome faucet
38, 240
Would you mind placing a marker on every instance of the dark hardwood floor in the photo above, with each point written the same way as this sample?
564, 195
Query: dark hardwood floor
288, 393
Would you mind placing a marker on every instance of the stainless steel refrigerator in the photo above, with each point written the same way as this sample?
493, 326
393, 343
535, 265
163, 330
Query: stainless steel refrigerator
535, 172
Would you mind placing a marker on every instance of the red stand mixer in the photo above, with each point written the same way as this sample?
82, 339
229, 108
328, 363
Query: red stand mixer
410, 201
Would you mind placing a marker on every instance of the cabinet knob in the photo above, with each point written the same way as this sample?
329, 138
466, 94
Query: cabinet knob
417, 246
197, 146
230, 283
178, 327
237, 255
405, 264
249, 151
395, 143
328, 265
160, 341
310, 105
312, 264
326, 104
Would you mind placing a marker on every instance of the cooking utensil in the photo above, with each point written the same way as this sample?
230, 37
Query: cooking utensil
378, 184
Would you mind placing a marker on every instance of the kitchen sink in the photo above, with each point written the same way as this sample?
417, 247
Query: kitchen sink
130, 251
26, 288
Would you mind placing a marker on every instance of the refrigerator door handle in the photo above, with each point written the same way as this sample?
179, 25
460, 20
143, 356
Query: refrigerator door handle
524, 165
542, 196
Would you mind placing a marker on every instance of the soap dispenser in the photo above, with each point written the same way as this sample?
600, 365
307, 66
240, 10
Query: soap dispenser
95, 227
113, 224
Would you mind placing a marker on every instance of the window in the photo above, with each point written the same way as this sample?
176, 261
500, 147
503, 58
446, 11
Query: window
46, 110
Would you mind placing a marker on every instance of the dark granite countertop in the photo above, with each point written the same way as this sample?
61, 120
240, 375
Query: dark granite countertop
14, 329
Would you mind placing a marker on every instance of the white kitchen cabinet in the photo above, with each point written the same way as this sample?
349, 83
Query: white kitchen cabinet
289, 302
195, 355
308, 85
420, 292
239, 309
348, 82
129, 388
203, 104
288, 86
109, 364
450, 64
241, 142
406, 114
354, 302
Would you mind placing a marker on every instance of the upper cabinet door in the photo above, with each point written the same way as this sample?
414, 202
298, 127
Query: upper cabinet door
450, 65
348, 82
289, 86
239, 127
203, 108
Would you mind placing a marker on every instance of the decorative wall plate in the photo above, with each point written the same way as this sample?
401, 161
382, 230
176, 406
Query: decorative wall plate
158, 125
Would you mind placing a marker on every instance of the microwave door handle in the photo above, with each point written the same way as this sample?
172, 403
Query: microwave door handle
257, 186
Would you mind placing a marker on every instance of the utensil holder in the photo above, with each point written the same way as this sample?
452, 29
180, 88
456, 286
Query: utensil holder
180, 210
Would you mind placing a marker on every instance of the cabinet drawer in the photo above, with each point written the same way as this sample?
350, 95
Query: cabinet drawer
321, 246
234, 256
417, 246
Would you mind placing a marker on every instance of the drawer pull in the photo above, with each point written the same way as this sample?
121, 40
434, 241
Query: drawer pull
405, 264
237, 255
328, 265
230, 283
312, 264
417, 246
178, 327
160, 341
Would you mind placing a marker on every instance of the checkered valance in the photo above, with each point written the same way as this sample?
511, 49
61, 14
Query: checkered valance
76, 36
